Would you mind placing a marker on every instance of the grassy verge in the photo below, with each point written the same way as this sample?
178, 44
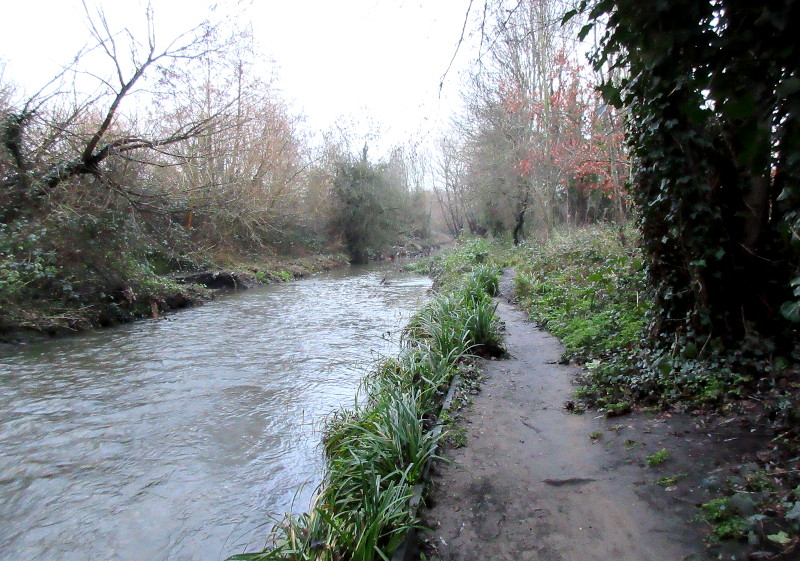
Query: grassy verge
588, 288
277, 269
377, 450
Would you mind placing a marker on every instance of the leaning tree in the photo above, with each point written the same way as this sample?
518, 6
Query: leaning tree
72, 130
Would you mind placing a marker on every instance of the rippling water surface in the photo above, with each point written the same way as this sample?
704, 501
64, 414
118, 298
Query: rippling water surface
175, 439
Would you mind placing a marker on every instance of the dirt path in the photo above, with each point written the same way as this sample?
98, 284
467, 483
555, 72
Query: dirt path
531, 484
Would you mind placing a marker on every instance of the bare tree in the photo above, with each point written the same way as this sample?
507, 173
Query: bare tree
61, 132
452, 192
245, 175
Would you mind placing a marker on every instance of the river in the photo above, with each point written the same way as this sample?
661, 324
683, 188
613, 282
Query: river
176, 439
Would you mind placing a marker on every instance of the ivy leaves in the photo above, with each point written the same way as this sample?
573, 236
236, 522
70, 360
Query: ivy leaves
713, 100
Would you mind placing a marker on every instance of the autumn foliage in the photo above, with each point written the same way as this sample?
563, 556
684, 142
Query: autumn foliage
538, 146
584, 136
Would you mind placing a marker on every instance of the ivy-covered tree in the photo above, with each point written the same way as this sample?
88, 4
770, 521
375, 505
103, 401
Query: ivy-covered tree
713, 96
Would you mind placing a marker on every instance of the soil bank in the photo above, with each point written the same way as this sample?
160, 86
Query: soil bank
538, 482
124, 304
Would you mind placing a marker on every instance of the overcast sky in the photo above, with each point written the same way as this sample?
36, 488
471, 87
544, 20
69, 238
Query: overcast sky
373, 61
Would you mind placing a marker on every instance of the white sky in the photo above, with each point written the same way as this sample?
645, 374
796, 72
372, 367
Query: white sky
376, 62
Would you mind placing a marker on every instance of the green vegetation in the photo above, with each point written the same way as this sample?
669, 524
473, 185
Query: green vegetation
760, 506
670, 480
477, 258
712, 129
278, 275
456, 435
658, 458
377, 450
455, 432
459, 322
587, 287
70, 270
725, 520
374, 207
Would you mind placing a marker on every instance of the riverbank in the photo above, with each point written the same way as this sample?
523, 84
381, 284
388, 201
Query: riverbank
151, 296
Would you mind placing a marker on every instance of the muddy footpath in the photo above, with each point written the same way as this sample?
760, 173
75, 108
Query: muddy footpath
537, 481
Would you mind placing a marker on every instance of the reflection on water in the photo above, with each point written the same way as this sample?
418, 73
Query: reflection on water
174, 439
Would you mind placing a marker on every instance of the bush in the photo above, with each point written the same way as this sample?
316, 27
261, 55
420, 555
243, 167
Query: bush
73, 269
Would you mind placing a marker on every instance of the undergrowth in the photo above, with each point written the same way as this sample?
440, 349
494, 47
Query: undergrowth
71, 271
472, 256
587, 287
377, 450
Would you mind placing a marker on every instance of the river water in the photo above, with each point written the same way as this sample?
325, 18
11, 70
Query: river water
175, 439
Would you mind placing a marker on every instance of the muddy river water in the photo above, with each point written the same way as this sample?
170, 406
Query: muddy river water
176, 439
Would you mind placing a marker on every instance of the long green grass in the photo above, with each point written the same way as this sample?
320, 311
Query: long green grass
377, 450
461, 321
